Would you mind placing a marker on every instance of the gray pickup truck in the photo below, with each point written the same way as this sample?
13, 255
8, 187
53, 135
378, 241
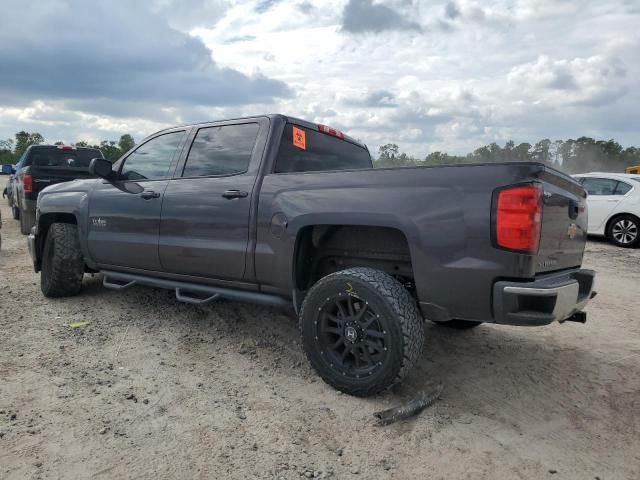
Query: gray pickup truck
280, 211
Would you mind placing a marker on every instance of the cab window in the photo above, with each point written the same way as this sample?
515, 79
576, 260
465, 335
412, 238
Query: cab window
152, 159
220, 151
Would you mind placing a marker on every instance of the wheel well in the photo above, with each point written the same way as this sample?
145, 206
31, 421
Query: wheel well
44, 222
615, 217
324, 249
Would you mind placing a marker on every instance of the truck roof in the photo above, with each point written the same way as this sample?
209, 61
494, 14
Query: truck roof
61, 147
279, 116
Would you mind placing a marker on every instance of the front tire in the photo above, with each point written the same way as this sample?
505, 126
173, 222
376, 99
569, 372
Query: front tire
62, 262
624, 231
361, 330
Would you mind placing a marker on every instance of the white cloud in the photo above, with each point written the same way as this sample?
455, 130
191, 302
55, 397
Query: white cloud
475, 72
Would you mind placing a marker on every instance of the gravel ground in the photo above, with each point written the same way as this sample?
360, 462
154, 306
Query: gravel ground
152, 388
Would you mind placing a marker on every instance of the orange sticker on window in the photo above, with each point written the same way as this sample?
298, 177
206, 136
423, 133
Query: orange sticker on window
299, 138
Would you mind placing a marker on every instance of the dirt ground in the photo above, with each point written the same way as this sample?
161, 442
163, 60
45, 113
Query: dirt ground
152, 388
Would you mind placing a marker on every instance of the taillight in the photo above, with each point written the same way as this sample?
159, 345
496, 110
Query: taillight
331, 131
27, 182
519, 218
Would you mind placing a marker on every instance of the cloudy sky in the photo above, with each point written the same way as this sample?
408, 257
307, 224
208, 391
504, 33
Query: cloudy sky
428, 75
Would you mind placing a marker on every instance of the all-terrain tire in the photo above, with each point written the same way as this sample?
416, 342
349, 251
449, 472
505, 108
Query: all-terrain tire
387, 304
62, 262
27, 219
624, 231
459, 324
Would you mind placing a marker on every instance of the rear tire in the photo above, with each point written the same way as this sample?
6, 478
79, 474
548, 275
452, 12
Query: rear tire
27, 219
624, 231
62, 262
361, 330
459, 324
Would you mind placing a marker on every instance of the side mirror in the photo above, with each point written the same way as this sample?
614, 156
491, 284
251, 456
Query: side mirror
102, 168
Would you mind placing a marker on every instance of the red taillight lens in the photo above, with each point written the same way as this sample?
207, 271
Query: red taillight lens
519, 217
27, 182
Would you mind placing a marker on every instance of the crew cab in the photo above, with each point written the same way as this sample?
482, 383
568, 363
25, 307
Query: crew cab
280, 211
41, 166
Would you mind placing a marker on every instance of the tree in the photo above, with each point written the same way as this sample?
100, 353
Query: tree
573, 156
110, 150
6, 151
540, 152
387, 154
126, 143
26, 139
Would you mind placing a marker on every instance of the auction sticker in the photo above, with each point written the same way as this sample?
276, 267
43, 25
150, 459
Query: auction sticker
299, 138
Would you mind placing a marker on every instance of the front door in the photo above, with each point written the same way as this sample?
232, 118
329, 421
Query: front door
206, 209
124, 216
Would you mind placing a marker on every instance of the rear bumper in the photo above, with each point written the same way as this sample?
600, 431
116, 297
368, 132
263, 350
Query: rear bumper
549, 298
31, 243
29, 205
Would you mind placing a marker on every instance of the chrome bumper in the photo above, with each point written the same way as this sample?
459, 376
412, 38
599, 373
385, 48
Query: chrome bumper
550, 298
31, 243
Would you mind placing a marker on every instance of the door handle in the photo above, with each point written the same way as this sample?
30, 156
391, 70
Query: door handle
613, 200
235, 194
149, 194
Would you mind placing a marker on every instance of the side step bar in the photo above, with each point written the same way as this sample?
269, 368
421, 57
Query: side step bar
190, 292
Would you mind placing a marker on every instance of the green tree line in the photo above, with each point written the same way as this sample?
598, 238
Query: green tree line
12, 149
572, 156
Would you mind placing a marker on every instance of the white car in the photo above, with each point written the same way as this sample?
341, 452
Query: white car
614, 206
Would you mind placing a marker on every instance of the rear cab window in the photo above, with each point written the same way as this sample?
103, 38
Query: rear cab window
65, 158
310, 150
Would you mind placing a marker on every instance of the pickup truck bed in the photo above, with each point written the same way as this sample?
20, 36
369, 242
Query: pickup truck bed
280, 211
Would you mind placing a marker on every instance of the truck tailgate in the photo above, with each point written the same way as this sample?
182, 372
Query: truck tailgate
45, 176
564, 222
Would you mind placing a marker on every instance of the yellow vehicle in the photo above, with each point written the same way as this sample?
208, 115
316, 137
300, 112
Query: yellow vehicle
635, 169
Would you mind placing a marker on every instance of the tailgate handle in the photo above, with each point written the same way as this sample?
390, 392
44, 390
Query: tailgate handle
574, 209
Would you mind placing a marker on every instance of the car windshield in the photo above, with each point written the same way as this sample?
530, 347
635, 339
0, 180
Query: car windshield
57, 157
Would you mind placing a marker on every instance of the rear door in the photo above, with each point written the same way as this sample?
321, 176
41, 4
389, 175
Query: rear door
603, 199
206, 210
124, 216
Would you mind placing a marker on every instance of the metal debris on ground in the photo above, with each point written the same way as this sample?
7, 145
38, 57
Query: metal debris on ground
81, 324
424, 399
